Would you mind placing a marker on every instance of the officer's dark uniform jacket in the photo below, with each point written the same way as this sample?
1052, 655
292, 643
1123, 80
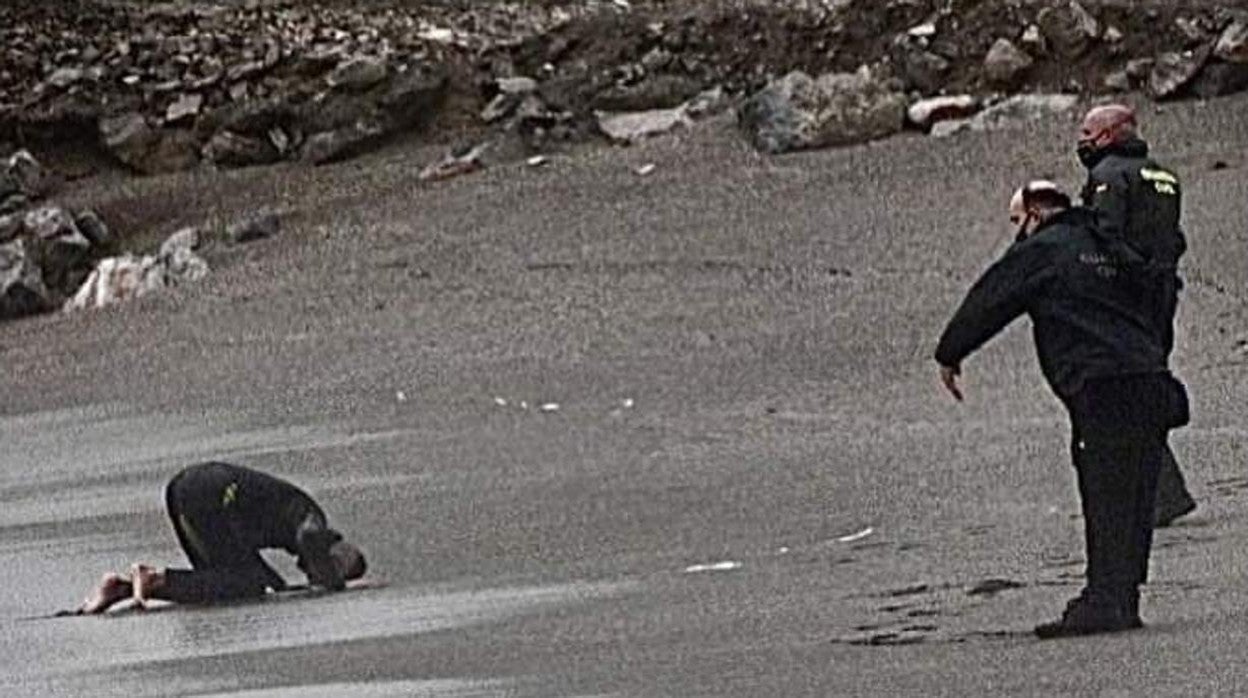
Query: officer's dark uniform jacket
1087, 324
1138, 205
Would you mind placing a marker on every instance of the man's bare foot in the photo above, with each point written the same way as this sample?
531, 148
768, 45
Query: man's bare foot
145, 579
113, 588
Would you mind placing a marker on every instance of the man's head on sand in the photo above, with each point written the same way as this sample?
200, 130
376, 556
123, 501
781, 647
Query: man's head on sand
334, 566
1103, 127
1034, 203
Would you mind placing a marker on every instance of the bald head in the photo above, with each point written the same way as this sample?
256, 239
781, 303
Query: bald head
1106, 125
1034, 203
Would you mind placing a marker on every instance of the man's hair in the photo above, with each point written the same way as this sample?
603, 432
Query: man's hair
1044, 195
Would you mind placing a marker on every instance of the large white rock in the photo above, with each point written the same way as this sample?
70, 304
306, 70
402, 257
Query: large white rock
798, 112
630, 127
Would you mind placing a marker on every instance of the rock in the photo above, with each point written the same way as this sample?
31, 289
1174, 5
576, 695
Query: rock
330, 146
1232, 45
516, 85
10, 226
500, 107
1113, 35
185, 107
176, 150
1118, 81
656, 92
133, 142
183, 239
357, 74
411, 98
93, 228
128, 137
1068, 28
1006, 64
27, 175
236, 150
117, 279
631, 127
1191, 30
1174, 70
13, 203
919, 68
797, 112
1218, 79
64, 77
926, 112
62, 249
256, 227
54, 224
22, 291
708, 103
1139, 69
922, 31
455, 164
1033, 39
1013, 111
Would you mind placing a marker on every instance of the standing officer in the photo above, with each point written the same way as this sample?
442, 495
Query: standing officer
1102, 353
1137, 203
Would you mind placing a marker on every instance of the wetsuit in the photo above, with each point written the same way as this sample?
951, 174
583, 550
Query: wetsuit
1105, 357
1138, 204
224, 515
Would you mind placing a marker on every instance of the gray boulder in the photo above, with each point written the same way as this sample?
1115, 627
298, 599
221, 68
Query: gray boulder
1232, 45
342, 143
1006, 64
919, 68
1012, 112
22, 291
237, 150
630, 127
357, 74
1172, 71
1068, 28
798, 112
130, 139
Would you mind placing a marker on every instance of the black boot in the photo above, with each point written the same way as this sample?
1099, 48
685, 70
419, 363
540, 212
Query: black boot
1088, 615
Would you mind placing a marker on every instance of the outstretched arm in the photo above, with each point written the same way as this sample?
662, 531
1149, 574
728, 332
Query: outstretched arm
997, 298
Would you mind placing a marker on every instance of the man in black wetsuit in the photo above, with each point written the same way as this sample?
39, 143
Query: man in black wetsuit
1105, 357
223, 516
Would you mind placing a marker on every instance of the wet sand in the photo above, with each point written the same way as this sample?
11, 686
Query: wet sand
739, 350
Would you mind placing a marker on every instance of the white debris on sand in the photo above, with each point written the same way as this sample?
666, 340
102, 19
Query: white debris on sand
725, 566
856, 536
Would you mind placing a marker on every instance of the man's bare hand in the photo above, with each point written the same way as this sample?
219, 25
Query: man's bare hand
949, 376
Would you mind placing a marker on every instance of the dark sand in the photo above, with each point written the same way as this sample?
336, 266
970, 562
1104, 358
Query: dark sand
739, 349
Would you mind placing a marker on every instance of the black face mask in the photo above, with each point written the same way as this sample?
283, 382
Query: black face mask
1089, 154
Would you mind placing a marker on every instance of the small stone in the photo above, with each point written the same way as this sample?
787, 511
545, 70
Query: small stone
516, 85
1069, 28
1033, 38
256, 227
646, 169
1113, 35
922, 31
185, 107
93, 228
358, 73
630, 127
537, 161
64, 77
